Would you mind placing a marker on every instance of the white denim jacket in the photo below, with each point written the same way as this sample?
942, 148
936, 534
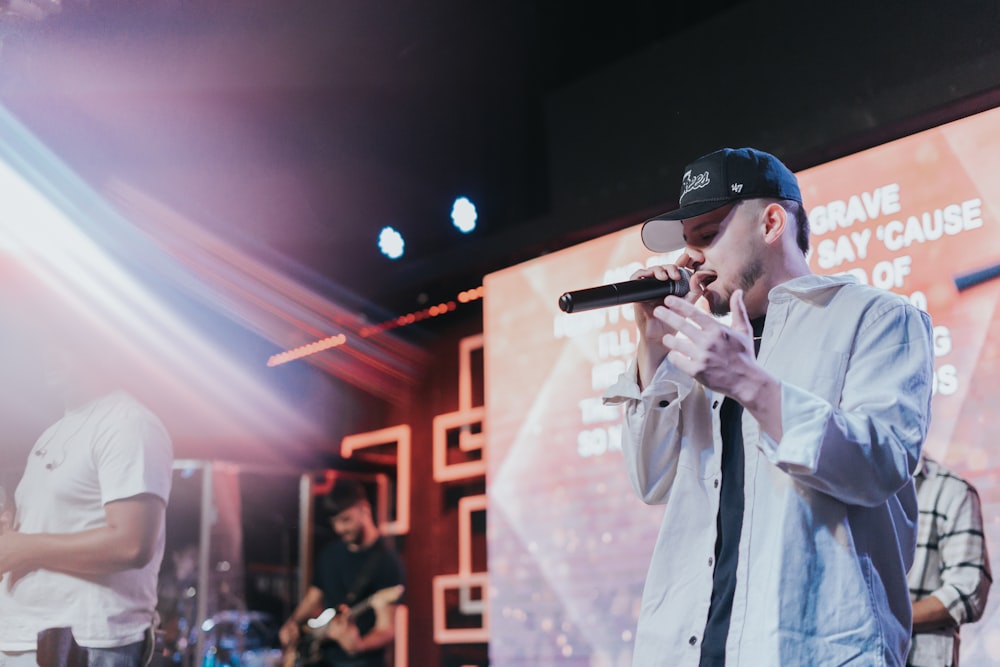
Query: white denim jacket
830, 510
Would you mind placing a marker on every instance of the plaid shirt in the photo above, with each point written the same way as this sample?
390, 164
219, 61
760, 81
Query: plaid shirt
951, 561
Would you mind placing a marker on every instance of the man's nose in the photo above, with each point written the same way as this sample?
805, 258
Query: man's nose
696, 256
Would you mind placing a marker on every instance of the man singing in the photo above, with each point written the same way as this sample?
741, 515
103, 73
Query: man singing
782, 445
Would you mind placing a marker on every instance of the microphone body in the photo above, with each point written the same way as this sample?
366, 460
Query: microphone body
630, 291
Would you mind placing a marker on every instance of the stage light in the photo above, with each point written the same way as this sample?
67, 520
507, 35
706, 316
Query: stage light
62, 245
463, 215
391, 243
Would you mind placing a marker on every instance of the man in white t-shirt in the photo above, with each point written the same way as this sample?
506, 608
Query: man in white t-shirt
88, 533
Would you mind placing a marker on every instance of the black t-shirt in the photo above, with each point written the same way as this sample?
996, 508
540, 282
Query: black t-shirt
338, 573
729, 523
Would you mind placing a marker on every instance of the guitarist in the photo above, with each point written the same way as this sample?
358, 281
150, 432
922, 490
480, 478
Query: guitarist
347, 572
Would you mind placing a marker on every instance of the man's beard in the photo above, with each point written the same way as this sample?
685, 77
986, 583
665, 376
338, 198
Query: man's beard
751, 273
352, 538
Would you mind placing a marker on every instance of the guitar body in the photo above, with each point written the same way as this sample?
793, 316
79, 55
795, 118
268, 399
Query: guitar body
308, 651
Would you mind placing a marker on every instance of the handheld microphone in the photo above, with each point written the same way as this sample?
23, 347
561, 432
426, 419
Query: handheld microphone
630, 291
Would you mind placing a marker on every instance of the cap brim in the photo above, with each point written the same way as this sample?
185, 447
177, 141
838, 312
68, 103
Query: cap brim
665, 233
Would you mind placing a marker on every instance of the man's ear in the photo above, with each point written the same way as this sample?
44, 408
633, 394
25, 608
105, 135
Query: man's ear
775, 222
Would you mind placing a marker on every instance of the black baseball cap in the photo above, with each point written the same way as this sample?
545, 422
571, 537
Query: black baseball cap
717, 179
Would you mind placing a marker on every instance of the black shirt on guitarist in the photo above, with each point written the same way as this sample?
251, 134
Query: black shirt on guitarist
349, 577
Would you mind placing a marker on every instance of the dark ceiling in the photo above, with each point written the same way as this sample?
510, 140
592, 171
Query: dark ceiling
296, 130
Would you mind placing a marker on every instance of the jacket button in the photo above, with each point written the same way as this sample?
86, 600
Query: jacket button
693, 641
664, 404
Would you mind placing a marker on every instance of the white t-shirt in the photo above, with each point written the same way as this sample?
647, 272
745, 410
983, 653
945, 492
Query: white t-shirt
111, 448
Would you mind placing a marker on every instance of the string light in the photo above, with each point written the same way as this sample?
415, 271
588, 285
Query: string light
463, 297
306, 350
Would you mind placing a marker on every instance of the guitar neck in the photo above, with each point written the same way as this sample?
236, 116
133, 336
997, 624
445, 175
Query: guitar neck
360, 607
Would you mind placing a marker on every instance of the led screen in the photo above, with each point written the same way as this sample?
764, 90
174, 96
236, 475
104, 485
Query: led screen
568, 542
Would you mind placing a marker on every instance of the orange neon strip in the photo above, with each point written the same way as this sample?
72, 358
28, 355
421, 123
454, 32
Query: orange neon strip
464, 297
306, 350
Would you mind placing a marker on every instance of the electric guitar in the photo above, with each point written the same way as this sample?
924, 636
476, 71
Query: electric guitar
306, 651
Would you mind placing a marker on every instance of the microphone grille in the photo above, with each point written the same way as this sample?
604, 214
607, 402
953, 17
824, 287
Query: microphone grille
683, 286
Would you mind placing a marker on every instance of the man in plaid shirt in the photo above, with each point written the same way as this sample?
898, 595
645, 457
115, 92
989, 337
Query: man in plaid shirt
950, 578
